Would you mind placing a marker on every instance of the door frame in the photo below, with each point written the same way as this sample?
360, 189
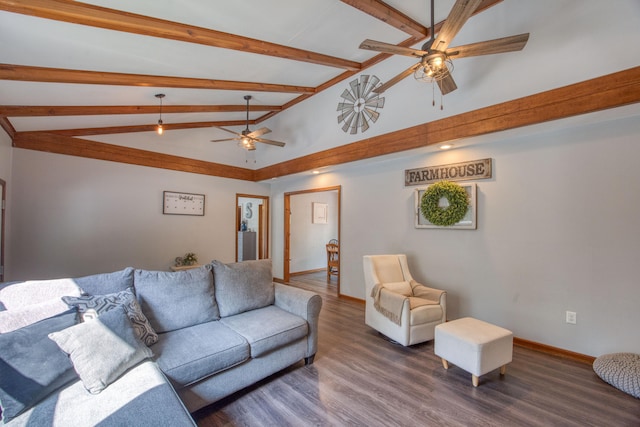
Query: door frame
263, 220
287, 228
3, 211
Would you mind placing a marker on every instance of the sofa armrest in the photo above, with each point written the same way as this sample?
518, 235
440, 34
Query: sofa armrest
305, 304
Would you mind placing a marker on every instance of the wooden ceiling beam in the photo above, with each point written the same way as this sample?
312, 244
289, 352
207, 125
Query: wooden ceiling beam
166, 127
95, 110
614, 90
112, 19
60, 144
399, 20
391, 16
6, 125
60, 75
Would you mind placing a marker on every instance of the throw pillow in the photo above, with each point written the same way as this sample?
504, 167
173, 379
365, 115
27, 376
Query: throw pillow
106, 283
91, 306
176, 300
402, 288
101, 350
243, 286
10, 320
31, 365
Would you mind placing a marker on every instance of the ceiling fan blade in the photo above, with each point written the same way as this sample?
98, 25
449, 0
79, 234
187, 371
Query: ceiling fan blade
489, 47
391, 48
227, 130
270, 142
258, 132
460, 12
383, 87
227, 139
447, 84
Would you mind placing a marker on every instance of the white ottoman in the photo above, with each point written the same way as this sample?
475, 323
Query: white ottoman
477, 347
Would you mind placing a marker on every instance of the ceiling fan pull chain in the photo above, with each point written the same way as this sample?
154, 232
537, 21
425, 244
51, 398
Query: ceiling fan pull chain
433, 94
441, 101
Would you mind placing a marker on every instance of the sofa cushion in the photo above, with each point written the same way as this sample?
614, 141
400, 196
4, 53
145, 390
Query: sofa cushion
10, 320
91, 306
31, 365
106, 283
243, 286
102, 349
176, 300
141, 397
267, 328
17, 295
191, 354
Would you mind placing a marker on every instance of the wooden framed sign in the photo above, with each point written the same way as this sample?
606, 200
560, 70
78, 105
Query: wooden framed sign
476, 169
183, 203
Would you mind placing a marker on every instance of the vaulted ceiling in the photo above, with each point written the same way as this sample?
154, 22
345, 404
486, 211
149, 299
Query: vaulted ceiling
74, 75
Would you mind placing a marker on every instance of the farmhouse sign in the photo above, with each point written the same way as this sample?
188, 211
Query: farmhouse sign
476, 169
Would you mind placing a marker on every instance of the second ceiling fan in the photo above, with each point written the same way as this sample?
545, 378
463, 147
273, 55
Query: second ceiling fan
248, 139
435, 55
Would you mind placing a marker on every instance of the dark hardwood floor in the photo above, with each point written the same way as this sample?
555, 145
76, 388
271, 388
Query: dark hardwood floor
360, 379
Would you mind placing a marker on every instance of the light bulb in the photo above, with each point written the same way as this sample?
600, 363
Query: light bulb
159, 129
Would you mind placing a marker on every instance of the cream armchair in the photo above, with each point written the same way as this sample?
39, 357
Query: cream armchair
396, 305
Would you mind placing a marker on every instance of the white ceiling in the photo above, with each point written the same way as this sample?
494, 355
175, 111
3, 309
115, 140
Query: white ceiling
329, 27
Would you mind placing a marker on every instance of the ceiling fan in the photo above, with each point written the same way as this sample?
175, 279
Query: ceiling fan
435, 55
248, 139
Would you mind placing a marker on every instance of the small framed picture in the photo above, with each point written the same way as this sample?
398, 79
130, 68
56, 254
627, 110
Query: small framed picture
182, 203
319, 213
468, 222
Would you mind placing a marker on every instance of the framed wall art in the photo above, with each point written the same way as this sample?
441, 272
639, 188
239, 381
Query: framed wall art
468, 222
182, 203
319, 213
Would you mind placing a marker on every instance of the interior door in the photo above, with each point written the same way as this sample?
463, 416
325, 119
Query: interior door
252, 227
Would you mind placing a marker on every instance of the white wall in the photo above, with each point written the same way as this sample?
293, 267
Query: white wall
556, 232
308, 240
73, 216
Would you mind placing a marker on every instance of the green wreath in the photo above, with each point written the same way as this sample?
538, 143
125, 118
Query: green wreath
455, 195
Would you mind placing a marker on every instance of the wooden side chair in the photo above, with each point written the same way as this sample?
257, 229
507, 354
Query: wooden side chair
333, 258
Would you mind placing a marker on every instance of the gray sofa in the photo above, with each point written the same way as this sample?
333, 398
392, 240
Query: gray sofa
164, 344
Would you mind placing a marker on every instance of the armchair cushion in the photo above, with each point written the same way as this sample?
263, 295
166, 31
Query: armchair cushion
425, 313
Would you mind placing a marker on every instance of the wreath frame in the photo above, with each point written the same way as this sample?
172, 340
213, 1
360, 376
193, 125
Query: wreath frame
458, 200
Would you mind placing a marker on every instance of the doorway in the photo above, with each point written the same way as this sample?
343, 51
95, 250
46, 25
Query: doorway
252, 227
301, 226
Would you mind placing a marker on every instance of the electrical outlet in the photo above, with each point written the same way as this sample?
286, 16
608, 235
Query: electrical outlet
572, 317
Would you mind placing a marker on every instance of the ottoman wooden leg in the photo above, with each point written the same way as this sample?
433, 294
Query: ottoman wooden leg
445, 364
503, 369
475, 380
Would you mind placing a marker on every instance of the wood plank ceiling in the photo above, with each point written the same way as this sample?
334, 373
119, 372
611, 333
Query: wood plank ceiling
568, 101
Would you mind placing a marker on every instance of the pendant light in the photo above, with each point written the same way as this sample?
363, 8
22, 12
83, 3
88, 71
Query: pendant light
159, 128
